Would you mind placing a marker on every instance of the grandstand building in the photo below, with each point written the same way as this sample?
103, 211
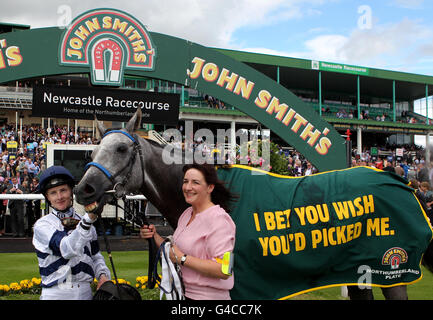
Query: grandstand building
376, 105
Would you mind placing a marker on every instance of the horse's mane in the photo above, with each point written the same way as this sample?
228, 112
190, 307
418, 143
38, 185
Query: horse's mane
153, 142
158, 145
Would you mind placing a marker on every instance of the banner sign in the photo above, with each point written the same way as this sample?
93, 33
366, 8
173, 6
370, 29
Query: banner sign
105, 104
271, 104
296, 234
338, 67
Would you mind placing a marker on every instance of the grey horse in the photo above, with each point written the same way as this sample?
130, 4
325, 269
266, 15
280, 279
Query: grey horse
124, 163
146, 173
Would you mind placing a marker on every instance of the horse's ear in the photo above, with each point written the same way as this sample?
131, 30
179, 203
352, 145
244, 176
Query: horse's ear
100, 126
135, 122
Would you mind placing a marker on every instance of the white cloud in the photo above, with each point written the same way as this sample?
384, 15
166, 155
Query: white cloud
206, 22
409, 4
210, 23
383, 46
382, 41
266, 51
327, 47
426, 50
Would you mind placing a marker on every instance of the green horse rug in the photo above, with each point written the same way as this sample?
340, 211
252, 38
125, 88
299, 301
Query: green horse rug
357, 226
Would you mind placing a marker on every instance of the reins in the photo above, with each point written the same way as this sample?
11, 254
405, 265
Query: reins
172, 284
108, 249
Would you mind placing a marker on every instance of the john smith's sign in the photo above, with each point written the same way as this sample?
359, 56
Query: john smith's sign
108, 42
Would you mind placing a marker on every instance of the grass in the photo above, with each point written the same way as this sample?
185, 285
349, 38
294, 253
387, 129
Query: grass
131, 264
19, 266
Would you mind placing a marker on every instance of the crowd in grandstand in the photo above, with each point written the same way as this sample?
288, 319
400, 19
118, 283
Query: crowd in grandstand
345, 111
342, 113
213, 102
26, 162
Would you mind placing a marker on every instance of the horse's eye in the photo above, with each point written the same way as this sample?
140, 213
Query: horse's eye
122, 148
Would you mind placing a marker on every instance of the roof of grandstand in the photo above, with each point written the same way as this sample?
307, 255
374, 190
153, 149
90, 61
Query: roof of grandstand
376, 85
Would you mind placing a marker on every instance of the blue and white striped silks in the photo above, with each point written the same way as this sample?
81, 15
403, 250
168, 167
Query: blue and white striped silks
67, 256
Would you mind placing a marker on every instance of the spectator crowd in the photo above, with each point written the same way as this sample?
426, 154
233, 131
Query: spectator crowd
19, 170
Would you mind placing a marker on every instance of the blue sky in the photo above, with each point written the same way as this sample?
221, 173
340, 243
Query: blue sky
388, 34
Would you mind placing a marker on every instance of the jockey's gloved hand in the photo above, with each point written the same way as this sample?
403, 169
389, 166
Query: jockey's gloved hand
87, 220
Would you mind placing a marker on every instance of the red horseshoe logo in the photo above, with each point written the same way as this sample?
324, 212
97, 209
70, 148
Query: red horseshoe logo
115, 63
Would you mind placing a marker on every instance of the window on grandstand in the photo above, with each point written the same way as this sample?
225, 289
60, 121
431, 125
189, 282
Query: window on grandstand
419, 106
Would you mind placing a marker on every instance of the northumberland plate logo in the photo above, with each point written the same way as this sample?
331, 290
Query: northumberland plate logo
108, 41
394, 257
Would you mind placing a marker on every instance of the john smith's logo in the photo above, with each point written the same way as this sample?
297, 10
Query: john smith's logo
394, 257
108, 41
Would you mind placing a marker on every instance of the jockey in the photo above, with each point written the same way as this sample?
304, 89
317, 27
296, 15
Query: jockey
66, 243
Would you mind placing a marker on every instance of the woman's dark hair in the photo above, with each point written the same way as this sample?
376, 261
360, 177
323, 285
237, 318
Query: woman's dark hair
220, 194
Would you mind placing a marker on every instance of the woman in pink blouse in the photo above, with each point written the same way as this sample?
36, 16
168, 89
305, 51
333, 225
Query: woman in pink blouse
204, 233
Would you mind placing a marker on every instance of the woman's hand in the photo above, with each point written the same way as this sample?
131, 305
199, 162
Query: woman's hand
147, 231
103, 278
177, 254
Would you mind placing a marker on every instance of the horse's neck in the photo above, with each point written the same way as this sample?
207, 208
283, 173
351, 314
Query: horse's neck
162, 183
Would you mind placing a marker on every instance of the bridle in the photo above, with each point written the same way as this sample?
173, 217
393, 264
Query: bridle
130, 164
152, 278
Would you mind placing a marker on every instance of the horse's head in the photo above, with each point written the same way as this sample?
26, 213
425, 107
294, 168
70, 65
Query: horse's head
115, 169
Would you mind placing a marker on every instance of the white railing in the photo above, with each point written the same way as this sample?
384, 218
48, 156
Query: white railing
15, 89
24, 196
109, 211
39, 196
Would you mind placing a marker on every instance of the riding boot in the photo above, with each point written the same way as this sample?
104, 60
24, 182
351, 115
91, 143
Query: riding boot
395, 293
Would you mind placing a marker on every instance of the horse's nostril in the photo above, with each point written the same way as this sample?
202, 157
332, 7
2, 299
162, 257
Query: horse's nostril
88, 189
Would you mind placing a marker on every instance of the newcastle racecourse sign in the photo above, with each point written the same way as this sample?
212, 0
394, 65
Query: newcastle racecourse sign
112, 105
107, 44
